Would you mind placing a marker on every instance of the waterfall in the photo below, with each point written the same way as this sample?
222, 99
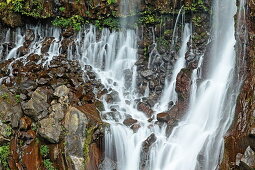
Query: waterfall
196, 142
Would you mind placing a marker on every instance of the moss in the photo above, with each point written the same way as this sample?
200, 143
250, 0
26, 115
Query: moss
88, 140
4, 156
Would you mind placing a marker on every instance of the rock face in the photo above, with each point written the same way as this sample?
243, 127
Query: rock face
45, 109
239, 140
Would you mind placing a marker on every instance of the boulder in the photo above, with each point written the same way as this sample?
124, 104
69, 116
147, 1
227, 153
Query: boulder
10, 109
37, 106
50, 129
76, 124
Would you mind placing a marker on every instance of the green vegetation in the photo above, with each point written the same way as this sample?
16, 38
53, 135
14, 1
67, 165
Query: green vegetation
8, 131
5, 96
149, 19
29, 8
196, 20
44, 150
62, 9
111, 1
194, 7
17, 98
4, 156
75, 22
87, 142
48, 164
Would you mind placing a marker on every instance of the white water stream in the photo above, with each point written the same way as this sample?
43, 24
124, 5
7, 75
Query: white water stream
197, 141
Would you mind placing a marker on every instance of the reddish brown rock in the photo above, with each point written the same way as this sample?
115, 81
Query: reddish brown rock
25, 123
145, 108
183, 82
31, 157
95, 156
129, 121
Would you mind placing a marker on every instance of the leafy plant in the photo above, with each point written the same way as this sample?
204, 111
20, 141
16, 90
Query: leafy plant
62, 9
4, 156
17, 98
44, 150
75, 22
48, 164
111, 1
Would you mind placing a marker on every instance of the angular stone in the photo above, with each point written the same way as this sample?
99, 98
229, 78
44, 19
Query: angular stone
61, 91
37, 106
25, 123
50, 130
249, 157
10, 110
29, 35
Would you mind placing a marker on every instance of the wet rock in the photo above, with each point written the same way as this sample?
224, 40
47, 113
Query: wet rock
146, 148
147, 73
37, 106
25, 123
50, 130
135, 127
88, 68
145, 108
23, 51
114, 115
68, 32
95, 157
46, 44
163, 117
129, 121
29, 35
61, 91
34, 57
183, 82
107, 163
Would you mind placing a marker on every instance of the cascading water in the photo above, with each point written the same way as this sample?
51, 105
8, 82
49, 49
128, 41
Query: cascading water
196, 142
